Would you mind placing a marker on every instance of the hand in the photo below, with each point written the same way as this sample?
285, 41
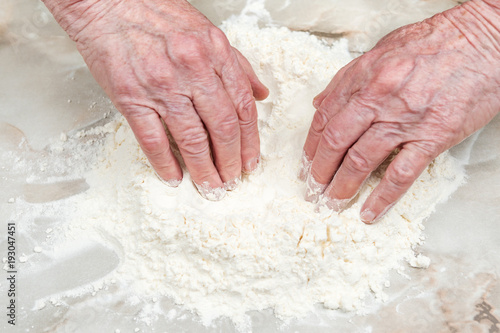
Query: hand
422, 89
164, 61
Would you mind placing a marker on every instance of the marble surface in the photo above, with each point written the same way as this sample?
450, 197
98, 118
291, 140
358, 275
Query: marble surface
46, 90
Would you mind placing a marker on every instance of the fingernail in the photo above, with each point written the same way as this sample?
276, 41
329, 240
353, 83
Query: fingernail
171, 182
305, 167
316, 103
367, 216
336, 205
252, 165
232, 184
210, 193
314, 189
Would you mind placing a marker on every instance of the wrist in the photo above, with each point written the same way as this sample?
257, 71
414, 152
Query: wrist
75, 15
479, 22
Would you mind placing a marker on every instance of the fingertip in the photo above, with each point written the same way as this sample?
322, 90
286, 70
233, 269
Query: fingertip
368, 216
251, 165
373, 212
337, 205
170, 181
314, 189
402, 172
316, 102
260, 91
305, 166
232, 184
210, 193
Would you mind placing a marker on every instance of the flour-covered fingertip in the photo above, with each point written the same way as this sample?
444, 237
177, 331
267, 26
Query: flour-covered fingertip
210, 193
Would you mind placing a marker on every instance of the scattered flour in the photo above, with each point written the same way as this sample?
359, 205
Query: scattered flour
263, 246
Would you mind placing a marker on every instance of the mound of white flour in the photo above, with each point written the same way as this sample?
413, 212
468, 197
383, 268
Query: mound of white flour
263, 246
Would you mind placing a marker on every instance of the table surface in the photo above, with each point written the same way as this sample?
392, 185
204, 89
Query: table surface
46, 90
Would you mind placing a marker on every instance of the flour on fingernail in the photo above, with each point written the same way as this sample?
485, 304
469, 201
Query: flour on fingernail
305, 167
336, 205
171, 182
210, 193
232, 184
314, 189
252, 166
367, 216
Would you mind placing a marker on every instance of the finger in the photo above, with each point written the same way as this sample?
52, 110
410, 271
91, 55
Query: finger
239, 91
374, 146
260, 91
321, 118
218, 114
191, 137
337, 79
399, 176
150, 134
328, 104
341, 132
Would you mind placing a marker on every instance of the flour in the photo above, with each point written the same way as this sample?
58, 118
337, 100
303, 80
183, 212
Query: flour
262, 246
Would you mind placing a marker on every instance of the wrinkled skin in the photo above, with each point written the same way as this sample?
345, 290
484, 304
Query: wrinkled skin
163, 60
422, 89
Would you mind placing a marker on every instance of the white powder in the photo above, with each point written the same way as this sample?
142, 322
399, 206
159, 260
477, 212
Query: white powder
263, 246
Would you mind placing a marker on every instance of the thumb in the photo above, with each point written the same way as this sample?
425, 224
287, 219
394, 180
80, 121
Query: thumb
260, 91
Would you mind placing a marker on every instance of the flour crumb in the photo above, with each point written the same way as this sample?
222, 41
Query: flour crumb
420, 261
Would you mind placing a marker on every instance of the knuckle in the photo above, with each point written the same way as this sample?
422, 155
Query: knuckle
402, 175
153, 145
197, 49
365, 107
386, 199
218, 39
319, 121
357, 162
130, 103
391, 72
228, 128
124, 105
194, 142
333, 139
190, 51
206, 87
428, 149
229, 164
247, 111
176, 108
